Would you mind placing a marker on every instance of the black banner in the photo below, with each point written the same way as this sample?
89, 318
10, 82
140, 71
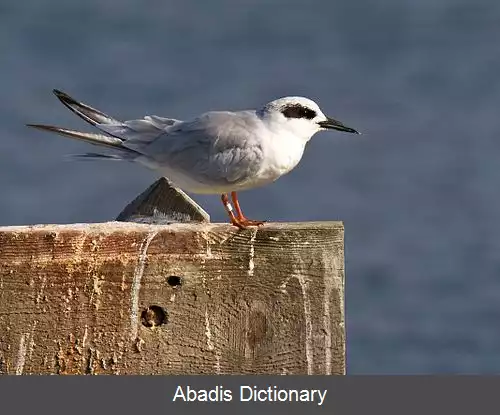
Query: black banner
155, 395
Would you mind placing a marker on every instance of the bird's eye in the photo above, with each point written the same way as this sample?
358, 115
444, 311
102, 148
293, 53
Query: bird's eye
298, 111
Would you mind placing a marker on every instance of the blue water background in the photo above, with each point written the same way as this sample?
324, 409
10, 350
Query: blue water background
419, 191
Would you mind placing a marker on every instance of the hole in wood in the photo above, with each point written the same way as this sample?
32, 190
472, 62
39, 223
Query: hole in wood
154, 316
174, 281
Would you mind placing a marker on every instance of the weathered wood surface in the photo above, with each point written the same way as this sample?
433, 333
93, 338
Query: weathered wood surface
127, 298
163, 203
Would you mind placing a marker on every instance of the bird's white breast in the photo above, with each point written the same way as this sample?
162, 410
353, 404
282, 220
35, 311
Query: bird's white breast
282, 153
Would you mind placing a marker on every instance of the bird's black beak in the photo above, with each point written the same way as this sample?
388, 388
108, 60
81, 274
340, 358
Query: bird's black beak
332, 124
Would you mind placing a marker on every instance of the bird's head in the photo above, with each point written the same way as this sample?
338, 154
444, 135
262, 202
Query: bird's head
301, 116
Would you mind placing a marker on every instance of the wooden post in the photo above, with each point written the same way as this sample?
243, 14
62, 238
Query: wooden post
157, 297
130, 298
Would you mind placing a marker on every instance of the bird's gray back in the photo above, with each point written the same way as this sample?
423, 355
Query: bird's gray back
216, 148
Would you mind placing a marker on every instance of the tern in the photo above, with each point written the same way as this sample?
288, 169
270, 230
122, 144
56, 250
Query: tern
218, 152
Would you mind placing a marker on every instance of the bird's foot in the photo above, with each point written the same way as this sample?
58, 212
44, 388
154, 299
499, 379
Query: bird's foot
239, 219
244, 223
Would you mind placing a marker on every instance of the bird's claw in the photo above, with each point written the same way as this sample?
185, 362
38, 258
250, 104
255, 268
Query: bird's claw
245, 223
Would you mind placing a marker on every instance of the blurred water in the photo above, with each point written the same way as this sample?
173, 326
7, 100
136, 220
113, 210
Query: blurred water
418, 191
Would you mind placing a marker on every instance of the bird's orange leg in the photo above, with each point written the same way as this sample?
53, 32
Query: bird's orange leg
229, 209
239, 213
239, 219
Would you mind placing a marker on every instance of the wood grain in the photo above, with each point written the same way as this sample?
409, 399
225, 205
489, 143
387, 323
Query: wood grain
128, 298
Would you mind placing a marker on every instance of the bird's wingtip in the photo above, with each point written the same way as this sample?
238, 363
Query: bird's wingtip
63, 96
43, 127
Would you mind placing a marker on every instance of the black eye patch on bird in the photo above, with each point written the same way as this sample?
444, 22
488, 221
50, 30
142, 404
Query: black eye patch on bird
298, 111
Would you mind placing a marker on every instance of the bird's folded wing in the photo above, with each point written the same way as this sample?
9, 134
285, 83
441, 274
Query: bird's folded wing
217, 156
138, 133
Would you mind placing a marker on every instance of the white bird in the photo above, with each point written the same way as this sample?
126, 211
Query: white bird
218, 152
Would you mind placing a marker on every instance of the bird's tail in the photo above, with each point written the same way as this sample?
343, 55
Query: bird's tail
97, 119
97, 139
